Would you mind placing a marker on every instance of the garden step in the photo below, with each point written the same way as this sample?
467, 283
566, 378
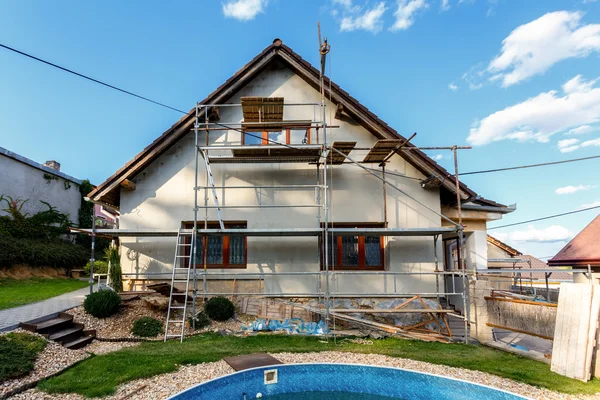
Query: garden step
55, 324
79, 342
68, 334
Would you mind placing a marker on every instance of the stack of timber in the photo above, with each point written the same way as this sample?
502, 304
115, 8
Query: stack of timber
574, 352
272, 309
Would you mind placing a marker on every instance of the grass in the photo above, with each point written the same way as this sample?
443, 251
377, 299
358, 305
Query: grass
17, 292
100, 375
18, 352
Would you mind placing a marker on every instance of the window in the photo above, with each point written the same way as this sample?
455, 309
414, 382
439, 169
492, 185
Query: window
286, 136
226, 251
356, 252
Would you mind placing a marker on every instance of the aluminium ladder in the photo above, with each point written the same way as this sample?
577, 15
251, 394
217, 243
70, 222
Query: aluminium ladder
181, 254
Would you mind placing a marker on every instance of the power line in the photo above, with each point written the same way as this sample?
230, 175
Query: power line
91, 79
543, 218
528, 166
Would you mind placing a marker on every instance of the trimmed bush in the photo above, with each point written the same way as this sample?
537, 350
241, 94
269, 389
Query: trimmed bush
102, 304
100, 267
35, 253
113, 256
147, 327
219, 309
18, 352
201, 321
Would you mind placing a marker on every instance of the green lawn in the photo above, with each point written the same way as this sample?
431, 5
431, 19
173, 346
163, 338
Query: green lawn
100, 375
17, 292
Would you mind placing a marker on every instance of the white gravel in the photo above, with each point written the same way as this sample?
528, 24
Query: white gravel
163, 386
53, 359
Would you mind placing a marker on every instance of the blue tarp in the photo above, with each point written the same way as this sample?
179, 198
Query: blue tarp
291, 326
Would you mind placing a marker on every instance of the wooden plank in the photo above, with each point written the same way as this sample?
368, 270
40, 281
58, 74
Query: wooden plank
262, 109
535, 303
345, 147
381, 150
392, 311
592, 332
518, 331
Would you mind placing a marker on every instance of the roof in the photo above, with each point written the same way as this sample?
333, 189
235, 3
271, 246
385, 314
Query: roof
513, 252
536, 263
582, 250
41, 167
109, 192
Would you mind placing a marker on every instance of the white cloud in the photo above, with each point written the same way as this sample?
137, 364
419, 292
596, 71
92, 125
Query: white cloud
445, 6
573, 189
370, 20
536, 46
453, 87
554, 233
243, 10
540, 117
405, 13
581, 130
438, 157
590, 205
567, 145
573, 147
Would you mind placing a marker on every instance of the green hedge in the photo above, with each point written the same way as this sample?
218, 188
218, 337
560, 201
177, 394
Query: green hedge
18, 352
100, 267
147, 327
58, 253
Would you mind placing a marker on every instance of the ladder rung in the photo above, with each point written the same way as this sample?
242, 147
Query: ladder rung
176, 321
177, 307
174, 336
184, 244
182, 256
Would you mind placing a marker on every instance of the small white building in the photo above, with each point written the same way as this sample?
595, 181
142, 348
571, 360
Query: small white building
25, 179
263, 134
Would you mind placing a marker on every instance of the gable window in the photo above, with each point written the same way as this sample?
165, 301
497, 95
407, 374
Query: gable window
224, 251
360, 252
299, 135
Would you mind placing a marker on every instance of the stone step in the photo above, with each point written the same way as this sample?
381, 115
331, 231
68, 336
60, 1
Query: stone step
55, 324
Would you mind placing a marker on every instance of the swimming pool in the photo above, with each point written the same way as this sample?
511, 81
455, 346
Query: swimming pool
337, 382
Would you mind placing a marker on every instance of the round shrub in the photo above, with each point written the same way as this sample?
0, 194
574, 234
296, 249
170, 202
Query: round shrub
201, 320
147, 327
219, 309
102, 304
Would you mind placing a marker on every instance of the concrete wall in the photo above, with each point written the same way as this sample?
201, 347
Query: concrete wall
20, 180
164, 198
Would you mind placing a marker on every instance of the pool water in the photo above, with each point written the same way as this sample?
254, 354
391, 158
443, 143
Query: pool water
337, 382
329, 396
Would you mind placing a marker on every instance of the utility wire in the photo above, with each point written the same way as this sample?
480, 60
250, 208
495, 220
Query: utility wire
91, 79
528, 166
544, 218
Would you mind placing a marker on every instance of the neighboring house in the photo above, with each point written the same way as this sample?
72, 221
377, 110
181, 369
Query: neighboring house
22, 178
499, 257
271, 227
582, 252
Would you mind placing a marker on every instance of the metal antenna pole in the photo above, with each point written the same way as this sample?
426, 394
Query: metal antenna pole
194, 250
460, 248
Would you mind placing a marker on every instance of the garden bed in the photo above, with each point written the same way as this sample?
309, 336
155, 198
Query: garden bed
51, 360
119, 325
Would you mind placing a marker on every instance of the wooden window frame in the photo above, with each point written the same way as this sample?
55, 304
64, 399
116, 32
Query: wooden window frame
225, 257
265, 136
361, 248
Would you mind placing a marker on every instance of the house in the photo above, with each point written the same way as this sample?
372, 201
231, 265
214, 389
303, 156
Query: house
25, 179
502, 256
261, 141
582, 252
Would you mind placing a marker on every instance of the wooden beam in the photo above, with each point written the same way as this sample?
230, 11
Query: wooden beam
128, 185
339, 110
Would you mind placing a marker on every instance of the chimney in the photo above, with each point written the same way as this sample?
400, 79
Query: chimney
52, 164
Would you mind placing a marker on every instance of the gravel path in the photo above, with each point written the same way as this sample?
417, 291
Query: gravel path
163, 386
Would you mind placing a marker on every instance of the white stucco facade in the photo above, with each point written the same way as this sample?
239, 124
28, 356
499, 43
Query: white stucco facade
21, 178
164, 198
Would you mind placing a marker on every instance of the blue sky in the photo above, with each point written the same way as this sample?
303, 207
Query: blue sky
517, 80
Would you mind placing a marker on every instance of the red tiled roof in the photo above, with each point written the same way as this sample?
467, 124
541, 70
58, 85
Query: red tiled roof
583, 249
